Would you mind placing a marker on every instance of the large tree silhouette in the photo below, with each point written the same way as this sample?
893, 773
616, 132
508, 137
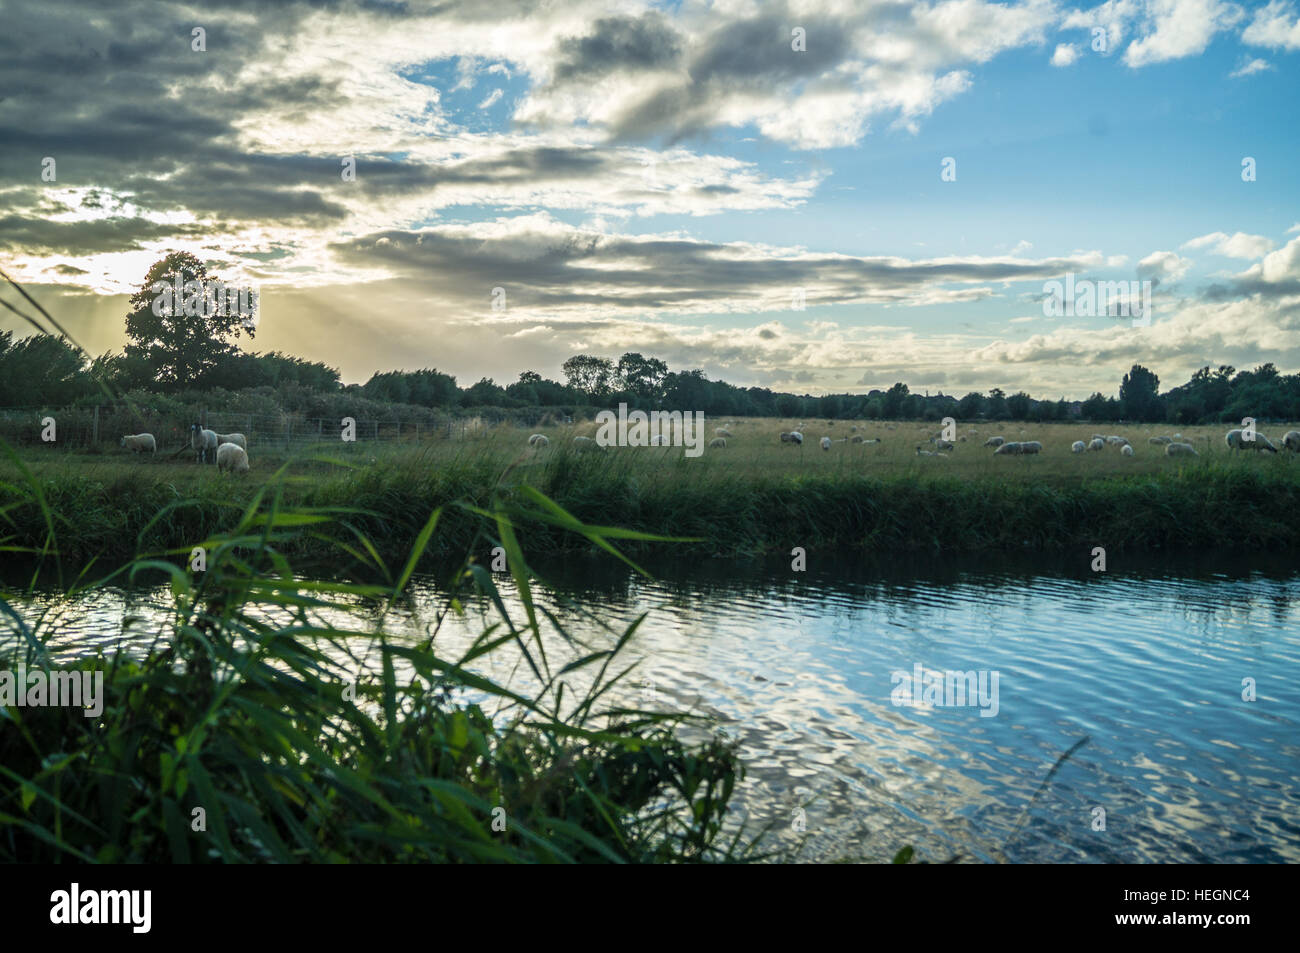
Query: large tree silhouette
181, 340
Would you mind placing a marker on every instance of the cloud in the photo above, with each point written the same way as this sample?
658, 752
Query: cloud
1250, 68
491, 99
1179, 28
1238, 245
1276, 26
1162, 267
1065, 55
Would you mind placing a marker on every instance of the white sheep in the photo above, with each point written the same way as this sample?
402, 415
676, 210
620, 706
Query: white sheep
1292, 440
140, 442
1115, 441
857, 438
941, 444
1078, 446
1160, 441
1236, 440
236, 438
585, 445
1097, 444
1127, 450
202, 441
722, 432
994, 442
1007, 448
929, 453
1181, 450
826, 443
718, 443
793, 436
1031, 446
539, 440
232, 457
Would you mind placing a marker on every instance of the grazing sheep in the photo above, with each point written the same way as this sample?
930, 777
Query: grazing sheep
1007, 449
1096, 444
826, 443
140, 442
539, 440
1032, 446
203, 442
853, 429
722, 432
994, 442
941, 444
793, 436
873, 440
232, 457
585, 445
1292, 440
1160, 441
1116, 441
929, 453
1127, 450
1237, 441
1100, 437
1078, 446
236, 438
1181, 450
857, 438
718, 443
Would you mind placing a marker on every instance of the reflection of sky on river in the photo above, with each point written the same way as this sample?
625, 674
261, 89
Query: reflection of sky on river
797, 669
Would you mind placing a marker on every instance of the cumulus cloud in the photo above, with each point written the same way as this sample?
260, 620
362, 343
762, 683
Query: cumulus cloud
1276, 26
1238, 245
1163, 267
1250, 68
1065, 54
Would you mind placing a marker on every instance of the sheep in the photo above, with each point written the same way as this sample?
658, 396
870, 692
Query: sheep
1097, 444
1127, 450
1181, 450
236, 438
203, 441
1078, 446
539, 441
873, 440
994, 442
1115, 441
721, 432
140, 442
826, 443
793, 436
718, 443
857, 438
1007, 448
929, 453
585, 445
1032, 446
1292, 440
941, 444
231, 456
1160, 441
1100, 437
1236, 440
853, 429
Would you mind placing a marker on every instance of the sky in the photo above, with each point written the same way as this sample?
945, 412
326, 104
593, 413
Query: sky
809, 196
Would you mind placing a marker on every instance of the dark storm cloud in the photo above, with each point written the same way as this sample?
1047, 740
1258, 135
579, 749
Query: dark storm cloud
619, 43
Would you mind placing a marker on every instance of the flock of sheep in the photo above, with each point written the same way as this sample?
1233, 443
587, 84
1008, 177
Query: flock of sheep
229, 451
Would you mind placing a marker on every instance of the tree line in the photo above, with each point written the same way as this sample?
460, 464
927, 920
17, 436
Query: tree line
183, 350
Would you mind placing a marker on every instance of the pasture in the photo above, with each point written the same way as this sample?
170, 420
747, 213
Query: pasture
756, 494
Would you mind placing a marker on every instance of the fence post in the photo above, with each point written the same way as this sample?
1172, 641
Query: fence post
94, 438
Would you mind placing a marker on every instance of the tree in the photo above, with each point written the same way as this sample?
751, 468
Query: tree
40, 370
892, 404
1018, 405
181, 340
644, 377
1139, 394
592, 376
969, 407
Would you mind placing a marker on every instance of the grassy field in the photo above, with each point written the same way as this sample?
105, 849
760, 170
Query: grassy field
755, 494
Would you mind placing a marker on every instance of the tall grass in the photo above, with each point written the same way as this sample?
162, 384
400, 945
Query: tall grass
255, 731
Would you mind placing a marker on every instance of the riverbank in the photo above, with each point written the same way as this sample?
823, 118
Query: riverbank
722, 504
